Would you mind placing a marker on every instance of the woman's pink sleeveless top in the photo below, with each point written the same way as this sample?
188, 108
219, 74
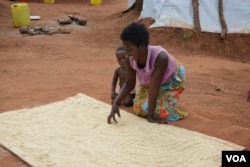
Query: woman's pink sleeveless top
145, 75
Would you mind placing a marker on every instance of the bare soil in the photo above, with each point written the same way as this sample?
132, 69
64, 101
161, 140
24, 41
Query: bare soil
40, 69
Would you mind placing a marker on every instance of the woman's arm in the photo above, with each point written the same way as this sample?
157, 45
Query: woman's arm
127, 87
161, 64
113, 85
114, 81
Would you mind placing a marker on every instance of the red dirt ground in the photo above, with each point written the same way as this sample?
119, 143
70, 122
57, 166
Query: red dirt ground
40, 69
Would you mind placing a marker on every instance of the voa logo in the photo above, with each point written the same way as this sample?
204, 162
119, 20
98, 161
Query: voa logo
236, 158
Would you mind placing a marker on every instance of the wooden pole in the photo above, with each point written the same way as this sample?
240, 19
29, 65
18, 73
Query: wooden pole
222, 20
196, 15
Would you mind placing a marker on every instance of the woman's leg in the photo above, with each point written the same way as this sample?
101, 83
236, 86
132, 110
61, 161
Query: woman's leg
141, 97
167, 106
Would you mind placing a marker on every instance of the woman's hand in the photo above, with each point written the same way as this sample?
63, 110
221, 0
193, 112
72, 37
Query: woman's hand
114, 110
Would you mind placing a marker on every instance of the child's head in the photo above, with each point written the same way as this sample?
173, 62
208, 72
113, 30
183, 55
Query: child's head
121, 55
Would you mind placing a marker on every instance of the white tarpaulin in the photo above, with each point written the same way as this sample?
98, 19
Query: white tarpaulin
179, 13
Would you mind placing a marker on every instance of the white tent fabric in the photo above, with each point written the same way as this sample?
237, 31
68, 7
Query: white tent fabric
179, 13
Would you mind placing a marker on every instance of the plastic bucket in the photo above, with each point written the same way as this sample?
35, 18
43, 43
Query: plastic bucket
20, 14
96, 2
49, 1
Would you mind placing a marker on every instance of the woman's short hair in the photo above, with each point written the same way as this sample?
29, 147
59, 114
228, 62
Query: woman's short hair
135, 33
